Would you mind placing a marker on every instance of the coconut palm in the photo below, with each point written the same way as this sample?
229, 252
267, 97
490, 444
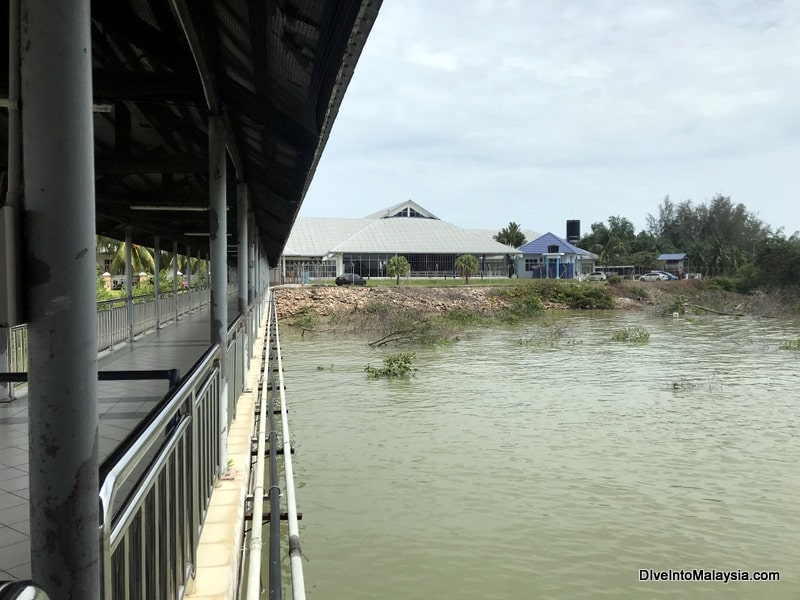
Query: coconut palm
511, 236
466, 264
398, 265
141, 257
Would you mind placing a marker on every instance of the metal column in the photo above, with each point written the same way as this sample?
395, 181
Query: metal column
189, 267
129, 283
241, 263
58, 162
218, 230
157, 280
251, 258
175, 277
9, 223
197, 270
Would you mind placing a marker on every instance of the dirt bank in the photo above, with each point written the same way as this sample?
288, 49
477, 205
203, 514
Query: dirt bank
330, 300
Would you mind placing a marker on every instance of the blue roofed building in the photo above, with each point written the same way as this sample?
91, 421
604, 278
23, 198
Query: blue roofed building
552, 257
674, 263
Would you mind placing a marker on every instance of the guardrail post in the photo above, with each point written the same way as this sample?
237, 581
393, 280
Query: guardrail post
6, 389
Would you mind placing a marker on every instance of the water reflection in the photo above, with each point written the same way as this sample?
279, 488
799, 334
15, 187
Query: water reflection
548, 462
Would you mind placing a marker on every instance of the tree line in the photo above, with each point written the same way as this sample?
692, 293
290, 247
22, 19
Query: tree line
721, 239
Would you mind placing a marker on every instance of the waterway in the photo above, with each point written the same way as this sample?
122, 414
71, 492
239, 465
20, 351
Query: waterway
547, 461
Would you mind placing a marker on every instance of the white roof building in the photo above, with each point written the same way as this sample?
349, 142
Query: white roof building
406, 229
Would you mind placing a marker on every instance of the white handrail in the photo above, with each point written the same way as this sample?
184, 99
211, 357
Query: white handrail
253, 587
295, 554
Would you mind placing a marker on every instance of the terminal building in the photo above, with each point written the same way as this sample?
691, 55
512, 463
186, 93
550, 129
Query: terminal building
326, 247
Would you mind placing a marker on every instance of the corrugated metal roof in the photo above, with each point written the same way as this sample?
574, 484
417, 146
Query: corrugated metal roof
313, 236
540, 246
680, 256
319, 237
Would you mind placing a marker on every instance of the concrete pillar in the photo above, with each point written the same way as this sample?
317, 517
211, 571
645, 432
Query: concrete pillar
58, 160
218, 230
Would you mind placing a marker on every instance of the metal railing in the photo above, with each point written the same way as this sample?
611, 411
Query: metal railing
113, 327
156, 486
21, 590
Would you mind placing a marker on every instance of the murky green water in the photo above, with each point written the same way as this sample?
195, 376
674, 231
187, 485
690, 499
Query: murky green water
549, 462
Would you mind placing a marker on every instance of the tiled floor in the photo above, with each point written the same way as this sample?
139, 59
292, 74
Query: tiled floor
120, 407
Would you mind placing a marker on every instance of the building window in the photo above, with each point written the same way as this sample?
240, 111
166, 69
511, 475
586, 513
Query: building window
531, 263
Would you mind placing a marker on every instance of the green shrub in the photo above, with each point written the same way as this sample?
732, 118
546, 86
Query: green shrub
394, 365
463, 317
725, 284
525, 302
576, 295
306, 317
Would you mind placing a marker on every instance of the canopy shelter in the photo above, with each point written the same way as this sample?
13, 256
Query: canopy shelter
193, 123
275, 72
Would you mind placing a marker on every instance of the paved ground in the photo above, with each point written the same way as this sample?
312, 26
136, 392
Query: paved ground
121, 405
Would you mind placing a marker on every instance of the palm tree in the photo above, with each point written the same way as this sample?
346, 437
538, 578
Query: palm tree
398, 265
466, 264
511, 236
141, 257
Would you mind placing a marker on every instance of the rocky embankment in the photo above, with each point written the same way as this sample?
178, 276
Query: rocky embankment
330, 300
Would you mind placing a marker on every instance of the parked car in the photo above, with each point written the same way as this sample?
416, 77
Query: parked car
350, 279
653, 276
596, 276
669, 275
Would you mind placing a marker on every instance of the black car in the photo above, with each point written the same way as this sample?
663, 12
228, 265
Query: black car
350, 279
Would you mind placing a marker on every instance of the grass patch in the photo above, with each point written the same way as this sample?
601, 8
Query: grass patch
635, 335
793, 345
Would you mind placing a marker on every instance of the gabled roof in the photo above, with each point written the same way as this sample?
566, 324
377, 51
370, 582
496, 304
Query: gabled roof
393, 211
413, 236
382, 234
540, 246
680, 256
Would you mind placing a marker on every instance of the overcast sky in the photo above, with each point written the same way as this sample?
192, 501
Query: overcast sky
486, 112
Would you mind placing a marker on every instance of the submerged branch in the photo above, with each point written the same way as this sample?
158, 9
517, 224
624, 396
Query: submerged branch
717, 312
